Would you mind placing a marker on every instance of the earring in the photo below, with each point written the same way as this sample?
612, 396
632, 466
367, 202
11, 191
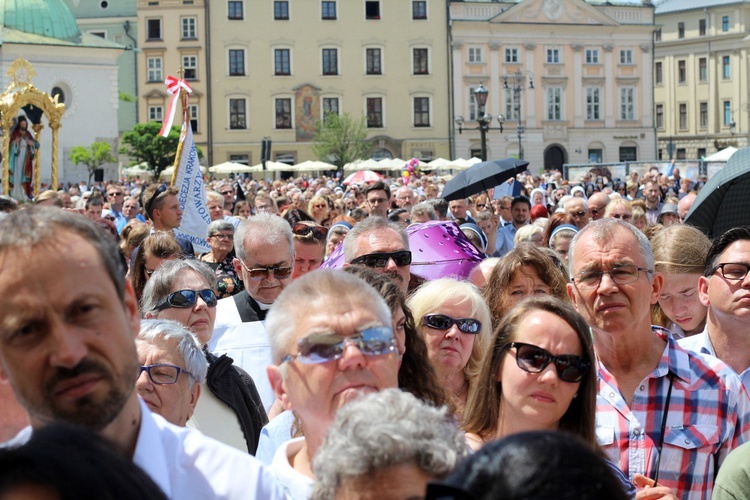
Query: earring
575, 395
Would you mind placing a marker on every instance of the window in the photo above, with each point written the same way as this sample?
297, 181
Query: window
657, 35
627, 103
236, 62
592, 56
281, 63
374, 112
703, 106
190, 67
330, 61
420, 57
374, 62
701, 153
372, 10
681, 154
512, 104
554, 103
473, 109
100, 34
553, 56
476, 55
243, 159
658, 75
701, 27
683, 116
330, 106
593, 103
153, 27
680, 30
727, 106
421, 111
511, 55
189, 31
155, 69
628, 153
237, 116
193, 117
328, 11
660, 116
626, 56
284, 113
419, 9
596, 155
234, 10
681, 71
702, 70
155, 113
726, 68
281, 10
725, 24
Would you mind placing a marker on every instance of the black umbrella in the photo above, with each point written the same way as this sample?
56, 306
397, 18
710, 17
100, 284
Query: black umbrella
724, 202
481, 177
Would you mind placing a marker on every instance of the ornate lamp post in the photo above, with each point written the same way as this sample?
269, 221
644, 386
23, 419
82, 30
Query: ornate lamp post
516, 82
484, 120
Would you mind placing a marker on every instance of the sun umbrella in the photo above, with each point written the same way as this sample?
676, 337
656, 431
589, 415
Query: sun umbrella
724, 202
481, 177
439, 249
363, 176
229, 167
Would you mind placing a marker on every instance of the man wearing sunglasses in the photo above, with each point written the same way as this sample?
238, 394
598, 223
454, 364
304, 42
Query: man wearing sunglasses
265, 256
382, 246
163, 210
662, 411
67, 329
578, 208
326, 354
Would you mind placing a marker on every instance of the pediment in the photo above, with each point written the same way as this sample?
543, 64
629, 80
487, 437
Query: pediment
554, 12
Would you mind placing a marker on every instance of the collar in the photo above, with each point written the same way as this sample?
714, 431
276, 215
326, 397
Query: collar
674, 359
150, 454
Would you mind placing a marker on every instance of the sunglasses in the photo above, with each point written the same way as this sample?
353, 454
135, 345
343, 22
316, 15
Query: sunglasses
319, 232
402, 258
115, 193
622, 216
224, 193
533, 359
159, 191
182, 299
320, 206
259, 273
443, 322
580, 213
323, 347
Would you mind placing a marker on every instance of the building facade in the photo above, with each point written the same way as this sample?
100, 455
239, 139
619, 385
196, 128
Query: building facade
573, 79
701, 93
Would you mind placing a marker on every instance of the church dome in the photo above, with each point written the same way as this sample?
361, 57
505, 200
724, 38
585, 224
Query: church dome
49, 18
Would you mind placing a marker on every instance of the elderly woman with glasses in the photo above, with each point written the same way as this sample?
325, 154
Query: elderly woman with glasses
455, 323
221, 240
230, 410
309, 247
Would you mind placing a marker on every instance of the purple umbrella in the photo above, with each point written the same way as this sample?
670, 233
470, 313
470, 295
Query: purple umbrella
439, 249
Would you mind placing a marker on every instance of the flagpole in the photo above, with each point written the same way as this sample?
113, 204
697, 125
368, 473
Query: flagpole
185, 123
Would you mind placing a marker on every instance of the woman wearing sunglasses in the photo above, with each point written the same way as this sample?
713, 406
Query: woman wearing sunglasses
230, 409
318, 207
455, 323
220, 237
309, 247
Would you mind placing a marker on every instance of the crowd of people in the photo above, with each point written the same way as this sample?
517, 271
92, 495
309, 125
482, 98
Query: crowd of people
597, 350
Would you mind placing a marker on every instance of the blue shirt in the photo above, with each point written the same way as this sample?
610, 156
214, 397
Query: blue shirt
701, 343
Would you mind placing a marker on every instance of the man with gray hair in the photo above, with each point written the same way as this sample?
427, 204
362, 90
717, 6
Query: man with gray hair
337, 347
380, 245
405, 197
173, 368
265, 255
423, 212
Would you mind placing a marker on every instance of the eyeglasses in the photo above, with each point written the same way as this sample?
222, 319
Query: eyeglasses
323, 347
443, 322
319, 232
481, 205
375, 201
320, 206
158, 191
220, 236
595, 211
259, 273
621, 275
533, 359
734, 271
225, 193
163, 374
115, 193
622, 216
182, 299
402, 258
579, 213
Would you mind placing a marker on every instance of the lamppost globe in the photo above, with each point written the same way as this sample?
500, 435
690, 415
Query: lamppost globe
480, 93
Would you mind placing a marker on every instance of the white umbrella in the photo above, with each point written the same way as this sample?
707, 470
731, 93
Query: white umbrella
167, 172
230, 167
369, 164
722, 155
460, 163
273, 166
313, 166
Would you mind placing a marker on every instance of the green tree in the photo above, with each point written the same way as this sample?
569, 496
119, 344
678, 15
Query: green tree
341, 140
93, 156
144, 144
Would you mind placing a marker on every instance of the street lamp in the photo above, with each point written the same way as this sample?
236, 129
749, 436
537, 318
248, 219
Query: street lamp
484, 120
517, 85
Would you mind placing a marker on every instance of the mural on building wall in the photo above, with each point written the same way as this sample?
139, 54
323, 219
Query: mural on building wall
306, 111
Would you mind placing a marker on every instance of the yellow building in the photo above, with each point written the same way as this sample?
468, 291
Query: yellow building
591, 70
278, 66
172, 36
701, 102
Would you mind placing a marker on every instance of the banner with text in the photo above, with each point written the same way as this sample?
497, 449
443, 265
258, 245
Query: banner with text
192, 196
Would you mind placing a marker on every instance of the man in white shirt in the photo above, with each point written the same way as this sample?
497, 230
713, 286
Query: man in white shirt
67, 328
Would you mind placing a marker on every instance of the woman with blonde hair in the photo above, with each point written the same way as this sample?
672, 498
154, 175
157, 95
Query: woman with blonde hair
318, 208
158, 247
619, 208
455, 323
530, 233
680, 256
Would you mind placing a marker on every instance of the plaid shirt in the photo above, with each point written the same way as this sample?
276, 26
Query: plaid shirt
708, 416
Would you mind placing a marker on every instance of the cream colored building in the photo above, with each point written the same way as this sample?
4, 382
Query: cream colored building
172, 36
278, 66
591, 66
701, 100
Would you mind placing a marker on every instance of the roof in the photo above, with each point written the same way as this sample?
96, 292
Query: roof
670, 6
8, 35
47, 18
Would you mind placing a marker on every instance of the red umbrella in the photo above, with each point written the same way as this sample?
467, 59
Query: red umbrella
363, 176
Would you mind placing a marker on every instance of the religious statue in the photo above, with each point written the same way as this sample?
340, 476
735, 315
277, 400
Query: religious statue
23, 148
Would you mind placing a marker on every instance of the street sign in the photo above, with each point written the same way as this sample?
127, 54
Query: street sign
510, 138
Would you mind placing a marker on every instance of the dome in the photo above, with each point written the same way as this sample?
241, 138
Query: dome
49, 18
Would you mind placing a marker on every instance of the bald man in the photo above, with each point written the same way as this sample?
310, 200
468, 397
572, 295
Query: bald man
683, 207
597, 204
